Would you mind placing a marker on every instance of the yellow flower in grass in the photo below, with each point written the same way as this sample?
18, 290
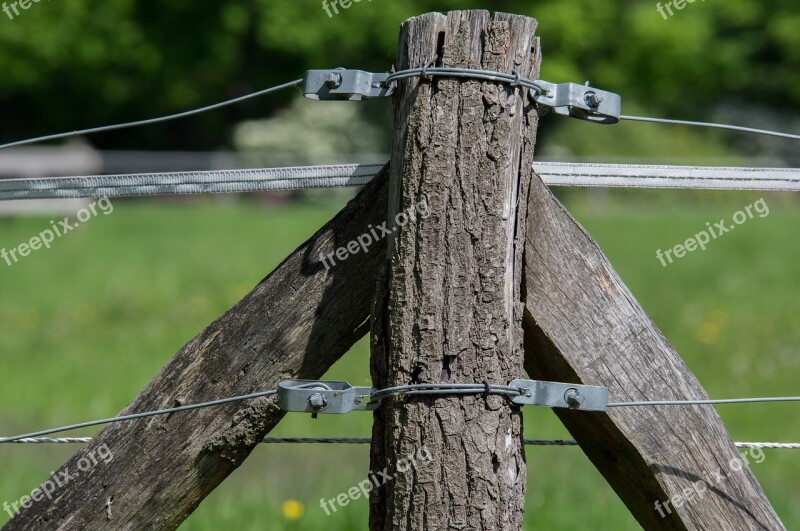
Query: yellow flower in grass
710, 331
293, 509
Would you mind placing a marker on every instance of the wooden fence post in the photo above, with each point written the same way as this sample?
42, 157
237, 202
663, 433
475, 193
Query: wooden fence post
449, 309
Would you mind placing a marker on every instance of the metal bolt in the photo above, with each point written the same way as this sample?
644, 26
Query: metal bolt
574, 398
333, 80
593, 99
317, 401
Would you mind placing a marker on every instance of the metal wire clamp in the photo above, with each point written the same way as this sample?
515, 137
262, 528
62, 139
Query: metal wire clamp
311, 396
567, 99
345, 85
315, 397
560, 395
580, 101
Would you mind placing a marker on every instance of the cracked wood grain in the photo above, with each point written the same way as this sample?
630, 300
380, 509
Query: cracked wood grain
449, 306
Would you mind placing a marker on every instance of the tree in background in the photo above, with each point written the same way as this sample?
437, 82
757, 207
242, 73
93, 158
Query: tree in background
68, 65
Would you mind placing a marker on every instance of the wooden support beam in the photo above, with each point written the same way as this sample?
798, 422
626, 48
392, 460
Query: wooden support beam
450, 309
582, 325
295, 324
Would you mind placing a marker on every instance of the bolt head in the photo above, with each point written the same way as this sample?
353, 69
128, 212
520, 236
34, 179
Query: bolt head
332, 80
574, 398
317, 401
593, 99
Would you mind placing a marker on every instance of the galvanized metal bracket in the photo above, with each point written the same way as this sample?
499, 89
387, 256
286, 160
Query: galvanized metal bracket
345, 85
561, 395
580, 101
335, 398
567, 99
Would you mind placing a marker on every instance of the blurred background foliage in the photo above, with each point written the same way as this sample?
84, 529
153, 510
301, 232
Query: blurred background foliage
69, 65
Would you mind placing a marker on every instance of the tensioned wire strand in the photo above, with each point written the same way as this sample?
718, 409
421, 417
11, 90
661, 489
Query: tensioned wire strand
150, 121
331, 176
188, 183
705, 402
135, 416
411, 390
514, 78
366, 440
712, 125
484, 75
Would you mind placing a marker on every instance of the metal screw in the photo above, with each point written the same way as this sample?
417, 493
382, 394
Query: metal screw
574, 398
317, 401
593, 99
333, 80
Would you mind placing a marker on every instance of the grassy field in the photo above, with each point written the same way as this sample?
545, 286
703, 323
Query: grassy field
85, 325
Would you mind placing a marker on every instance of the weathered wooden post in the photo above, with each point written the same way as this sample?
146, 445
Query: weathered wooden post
450, 308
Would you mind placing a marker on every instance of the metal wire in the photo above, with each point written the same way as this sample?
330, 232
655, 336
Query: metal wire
411, 390
316, 440
704, 402
366, 440
528, 442
486, 75
445, 389
668, 177
514, 79
135, 416
188, 183
711, 125
150, 121
333, 176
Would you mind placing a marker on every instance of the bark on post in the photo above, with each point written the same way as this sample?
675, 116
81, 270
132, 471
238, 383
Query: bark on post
295, 324
449, 308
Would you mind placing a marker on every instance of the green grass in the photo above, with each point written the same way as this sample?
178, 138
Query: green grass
86, 325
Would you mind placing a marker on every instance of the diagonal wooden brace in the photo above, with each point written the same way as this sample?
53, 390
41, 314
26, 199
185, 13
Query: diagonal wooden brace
295, 324
674, 467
